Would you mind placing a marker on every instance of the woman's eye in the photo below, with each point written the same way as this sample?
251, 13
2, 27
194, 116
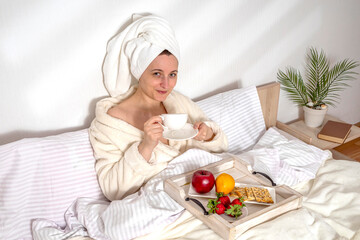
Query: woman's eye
173, 75
157, 74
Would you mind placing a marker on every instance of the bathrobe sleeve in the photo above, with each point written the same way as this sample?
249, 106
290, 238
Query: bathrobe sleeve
120, 168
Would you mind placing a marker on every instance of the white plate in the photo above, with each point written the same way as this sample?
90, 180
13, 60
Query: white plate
270, 189
210, 194
185, 133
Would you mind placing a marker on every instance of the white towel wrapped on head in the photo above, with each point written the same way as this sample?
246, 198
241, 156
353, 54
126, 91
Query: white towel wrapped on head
131, 51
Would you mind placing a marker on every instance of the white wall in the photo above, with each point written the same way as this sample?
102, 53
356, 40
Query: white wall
51, 52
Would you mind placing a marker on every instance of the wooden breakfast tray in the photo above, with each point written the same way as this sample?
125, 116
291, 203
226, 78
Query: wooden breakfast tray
286, 198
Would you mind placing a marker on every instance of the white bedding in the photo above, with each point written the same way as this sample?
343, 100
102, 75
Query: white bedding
43, 178
151, 209
286, 161
331, 208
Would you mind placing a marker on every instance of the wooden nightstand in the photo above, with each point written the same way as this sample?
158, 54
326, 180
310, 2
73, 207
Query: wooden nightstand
300, 127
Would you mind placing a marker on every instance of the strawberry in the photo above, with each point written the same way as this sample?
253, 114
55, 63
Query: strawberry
228, 207
220, 209
237, 201
212, 205
225, 200
216, 206
234, 210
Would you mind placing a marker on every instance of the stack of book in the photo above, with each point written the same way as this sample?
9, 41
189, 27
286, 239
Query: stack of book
335, 131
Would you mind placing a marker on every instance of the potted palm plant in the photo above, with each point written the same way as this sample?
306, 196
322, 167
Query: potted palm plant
321, 86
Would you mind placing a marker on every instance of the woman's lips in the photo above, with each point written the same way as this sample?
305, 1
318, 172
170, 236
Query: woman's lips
161, 92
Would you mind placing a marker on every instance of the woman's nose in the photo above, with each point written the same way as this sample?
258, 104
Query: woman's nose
164, 82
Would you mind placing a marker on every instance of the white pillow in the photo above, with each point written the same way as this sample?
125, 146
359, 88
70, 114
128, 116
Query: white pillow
238, 112
41, 177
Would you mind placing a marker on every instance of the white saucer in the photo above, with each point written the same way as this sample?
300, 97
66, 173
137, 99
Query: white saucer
185, 133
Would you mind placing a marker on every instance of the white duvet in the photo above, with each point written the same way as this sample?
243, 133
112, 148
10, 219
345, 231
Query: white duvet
331, 208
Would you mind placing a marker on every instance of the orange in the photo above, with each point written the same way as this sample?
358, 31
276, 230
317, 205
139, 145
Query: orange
224, 183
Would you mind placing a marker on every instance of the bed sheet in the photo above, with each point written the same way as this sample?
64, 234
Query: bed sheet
41, 178
330, 209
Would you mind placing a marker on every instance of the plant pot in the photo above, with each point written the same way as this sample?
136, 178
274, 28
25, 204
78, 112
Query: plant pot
314, 117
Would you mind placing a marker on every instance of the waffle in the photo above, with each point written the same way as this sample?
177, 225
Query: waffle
262, 195
249, 194
239, 192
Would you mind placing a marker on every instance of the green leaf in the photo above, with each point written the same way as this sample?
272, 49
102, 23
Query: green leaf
316, 71
234, 210
212, 205
293, 84
337, 79
219, 194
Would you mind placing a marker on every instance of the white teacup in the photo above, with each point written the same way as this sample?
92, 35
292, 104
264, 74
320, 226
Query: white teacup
174, 121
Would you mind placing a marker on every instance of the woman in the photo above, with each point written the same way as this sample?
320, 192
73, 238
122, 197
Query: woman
126, 135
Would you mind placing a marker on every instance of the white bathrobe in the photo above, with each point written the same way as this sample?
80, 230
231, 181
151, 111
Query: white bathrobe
120, 167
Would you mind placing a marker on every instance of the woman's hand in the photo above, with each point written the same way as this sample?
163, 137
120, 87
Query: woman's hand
205, 133
153, 132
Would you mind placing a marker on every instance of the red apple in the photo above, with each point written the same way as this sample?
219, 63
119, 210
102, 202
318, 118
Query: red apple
203, 181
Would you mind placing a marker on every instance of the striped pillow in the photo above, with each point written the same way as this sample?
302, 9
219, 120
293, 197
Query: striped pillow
238, 112
41, 177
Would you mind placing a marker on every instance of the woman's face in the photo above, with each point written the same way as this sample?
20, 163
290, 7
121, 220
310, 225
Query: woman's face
159, 78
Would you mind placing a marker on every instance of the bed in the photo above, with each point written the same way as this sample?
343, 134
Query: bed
49, 188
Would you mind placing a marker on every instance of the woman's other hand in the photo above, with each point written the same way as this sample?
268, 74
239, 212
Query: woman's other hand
205, 133
152, 133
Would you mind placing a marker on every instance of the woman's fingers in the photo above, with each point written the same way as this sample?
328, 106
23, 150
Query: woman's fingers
197, 124
154, 123
153, 120
202, 131
205, 133
153, 130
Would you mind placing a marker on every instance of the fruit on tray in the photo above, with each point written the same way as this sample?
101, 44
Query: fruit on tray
234, 210
216, 206
225, 200
224, 183
203, 181
222, 205
237, 201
